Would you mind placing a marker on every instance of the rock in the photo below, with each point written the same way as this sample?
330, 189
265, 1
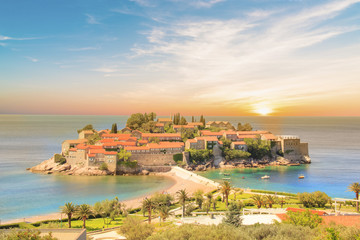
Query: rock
200, 168
145, 172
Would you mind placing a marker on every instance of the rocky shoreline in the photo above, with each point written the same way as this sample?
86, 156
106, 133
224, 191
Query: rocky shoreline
50, 167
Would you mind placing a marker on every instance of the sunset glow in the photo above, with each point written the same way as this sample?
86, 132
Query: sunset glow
210, 57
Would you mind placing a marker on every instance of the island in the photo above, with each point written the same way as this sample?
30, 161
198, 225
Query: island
149, 145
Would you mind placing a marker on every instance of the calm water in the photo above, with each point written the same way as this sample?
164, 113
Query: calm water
334, 145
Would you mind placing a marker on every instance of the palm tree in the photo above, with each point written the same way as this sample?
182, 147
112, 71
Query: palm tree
225, 189
198, 195
164, 212
182, 196
355, 187
69, 209
258, 200
148, 205
84, 211
270, 200
282, 201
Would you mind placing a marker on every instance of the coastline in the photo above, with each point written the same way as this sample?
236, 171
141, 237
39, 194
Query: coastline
190, 184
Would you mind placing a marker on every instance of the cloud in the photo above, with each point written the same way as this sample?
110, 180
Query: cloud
105, 70
249, 60
91, 19
205, 3
32, 59
7, 38
82, 49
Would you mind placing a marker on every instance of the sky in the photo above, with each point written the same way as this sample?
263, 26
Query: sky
211, 57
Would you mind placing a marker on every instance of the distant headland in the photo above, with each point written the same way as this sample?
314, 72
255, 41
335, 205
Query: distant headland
149, 144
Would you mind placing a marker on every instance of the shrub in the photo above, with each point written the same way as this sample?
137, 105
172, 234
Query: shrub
25, 235
310, 200
135, 229
200, 156
129, 164
305, 219
104, 167
178, 157
58, 158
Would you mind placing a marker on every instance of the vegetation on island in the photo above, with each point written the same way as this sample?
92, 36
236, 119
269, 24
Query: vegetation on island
114, 128
199, 156
258, 148
142, 122
60, 159
245, 127
87, 127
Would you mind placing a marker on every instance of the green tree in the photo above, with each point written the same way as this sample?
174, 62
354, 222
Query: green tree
231, 154
199, 156
134, 229
258, 148
135, 121
162, 199
114, 128
152, 116
199, 198
103, 167
148, 205
202, 119
225, 189
305, 219
83, 212
124, 155
192, 119
183, 121
87, 127
232, 217
245, 127
154, 140
257, 200
182, 197
69, 209
355, 187
27, 234
282, 201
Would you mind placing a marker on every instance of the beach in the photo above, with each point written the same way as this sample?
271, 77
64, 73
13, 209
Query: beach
181, 180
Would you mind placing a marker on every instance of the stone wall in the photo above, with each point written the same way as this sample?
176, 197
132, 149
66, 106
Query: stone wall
153, 159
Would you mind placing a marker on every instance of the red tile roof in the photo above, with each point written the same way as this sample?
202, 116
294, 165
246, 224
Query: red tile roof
127, 143
159, 135
116, 135
164, 120
239, 143
74, 141
110, 153
106, 140
92, 151
73, 149
192, 140
159, 125
82, 146
196, 124
246, 136
209, 133
251, 132
143, 141
208, 138
269, 136
165, 145
91, 155
183, 126
137, 148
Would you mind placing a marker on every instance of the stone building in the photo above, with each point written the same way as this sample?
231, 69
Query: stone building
292, 148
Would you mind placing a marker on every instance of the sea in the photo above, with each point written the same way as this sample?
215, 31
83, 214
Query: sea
26, 140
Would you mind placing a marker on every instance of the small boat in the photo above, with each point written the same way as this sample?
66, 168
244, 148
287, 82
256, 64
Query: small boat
226, 174
226, 178
301, 176
265, 177
243, 177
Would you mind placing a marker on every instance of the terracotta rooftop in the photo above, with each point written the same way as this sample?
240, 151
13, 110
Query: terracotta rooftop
239, 143
159, 125
183, 126
72, 149
165, 145
116, 135
192, 140
208, 138
269, 136
137, 148
110, 153
247, 136
161, 135
106, 140
195, 124
74, 141
252, 132
164, 120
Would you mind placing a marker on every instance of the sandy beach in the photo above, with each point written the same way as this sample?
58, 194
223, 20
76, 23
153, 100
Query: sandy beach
182, 180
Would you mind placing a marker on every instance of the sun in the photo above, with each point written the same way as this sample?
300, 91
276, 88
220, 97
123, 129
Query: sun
264, 111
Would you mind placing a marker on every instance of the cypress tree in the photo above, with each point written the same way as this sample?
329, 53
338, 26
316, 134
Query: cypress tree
114, 128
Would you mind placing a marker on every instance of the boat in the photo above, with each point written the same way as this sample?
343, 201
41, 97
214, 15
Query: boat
301, 176
226, 178
243, 177
226, 174
265, 177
